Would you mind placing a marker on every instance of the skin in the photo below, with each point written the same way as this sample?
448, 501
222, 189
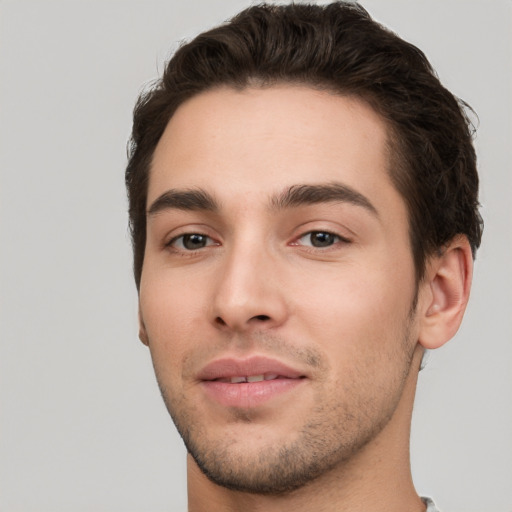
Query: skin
343, 314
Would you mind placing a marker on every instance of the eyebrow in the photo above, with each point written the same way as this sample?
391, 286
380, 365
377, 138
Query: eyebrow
300, 195
292, 197
192, 200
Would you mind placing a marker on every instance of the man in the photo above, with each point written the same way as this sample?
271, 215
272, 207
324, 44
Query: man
304, 213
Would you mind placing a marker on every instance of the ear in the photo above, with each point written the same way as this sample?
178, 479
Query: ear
143, 335
445, 290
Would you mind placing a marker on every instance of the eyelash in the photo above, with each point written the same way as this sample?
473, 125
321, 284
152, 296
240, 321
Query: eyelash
172, 242
337, 239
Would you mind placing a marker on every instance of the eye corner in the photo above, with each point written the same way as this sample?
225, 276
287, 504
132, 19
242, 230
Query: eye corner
190, 242
320, 239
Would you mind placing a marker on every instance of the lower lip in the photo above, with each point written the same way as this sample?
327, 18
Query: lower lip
248, 394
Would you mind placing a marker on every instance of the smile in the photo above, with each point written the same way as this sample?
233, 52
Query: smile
251, 378
248, 383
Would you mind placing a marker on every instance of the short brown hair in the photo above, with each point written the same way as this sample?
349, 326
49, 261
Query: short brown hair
338, 48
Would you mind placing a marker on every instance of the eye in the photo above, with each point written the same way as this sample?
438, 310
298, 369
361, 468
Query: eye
320, 239
191, 242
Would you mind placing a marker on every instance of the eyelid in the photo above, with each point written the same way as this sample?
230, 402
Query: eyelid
340, 238
314, 232
173, 240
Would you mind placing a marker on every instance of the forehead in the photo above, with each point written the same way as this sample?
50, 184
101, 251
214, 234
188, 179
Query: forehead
257, 141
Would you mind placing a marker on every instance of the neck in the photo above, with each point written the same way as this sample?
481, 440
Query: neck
377, 477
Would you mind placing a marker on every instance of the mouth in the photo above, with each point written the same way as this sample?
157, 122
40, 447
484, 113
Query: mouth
248, 383
251, 378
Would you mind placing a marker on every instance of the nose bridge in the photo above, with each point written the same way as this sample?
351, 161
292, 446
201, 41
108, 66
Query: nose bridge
247, 292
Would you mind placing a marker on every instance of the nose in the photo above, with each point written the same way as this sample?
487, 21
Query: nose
250, 294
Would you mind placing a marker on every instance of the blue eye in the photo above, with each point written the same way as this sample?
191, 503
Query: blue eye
191, 242
319, 239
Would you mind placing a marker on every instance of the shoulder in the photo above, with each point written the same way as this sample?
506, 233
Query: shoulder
431, 506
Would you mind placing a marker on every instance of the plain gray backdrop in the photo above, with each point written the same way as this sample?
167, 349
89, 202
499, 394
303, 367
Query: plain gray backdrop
83, 427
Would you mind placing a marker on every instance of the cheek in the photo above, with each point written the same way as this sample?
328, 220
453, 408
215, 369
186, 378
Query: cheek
362, 326
357, 311
172, 312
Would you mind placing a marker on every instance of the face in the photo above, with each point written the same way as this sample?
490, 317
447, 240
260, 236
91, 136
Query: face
278, 282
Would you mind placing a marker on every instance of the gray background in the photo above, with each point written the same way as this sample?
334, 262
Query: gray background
82, 425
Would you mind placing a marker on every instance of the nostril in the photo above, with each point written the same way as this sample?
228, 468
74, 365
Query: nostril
263, 318
220, 322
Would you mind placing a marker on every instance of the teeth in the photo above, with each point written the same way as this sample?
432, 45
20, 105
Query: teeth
255, 378
251, 378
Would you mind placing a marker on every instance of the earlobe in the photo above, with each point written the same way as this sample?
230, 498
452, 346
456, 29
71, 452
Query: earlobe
447, 283
143, 335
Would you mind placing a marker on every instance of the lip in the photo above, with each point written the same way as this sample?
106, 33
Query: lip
248, 394
255, 365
